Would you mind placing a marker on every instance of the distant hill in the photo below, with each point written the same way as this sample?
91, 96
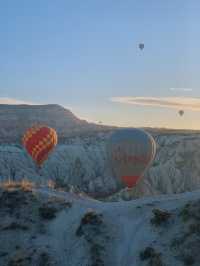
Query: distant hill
16, 119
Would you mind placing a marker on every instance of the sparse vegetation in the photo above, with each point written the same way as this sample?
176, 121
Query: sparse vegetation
3, 254
186, 245
15, 226
185, 213
47, 212
191, 211
92, 229
13, 199
24, 185
20, 258
148, 253
188, 260
49, 209
152, 256
90, 218
44, 259
194, 228
160, 217
26, 211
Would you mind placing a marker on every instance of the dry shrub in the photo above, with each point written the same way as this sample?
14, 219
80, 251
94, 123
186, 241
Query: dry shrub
24, 184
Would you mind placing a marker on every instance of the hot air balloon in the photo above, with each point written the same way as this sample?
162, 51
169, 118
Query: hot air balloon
39, 141
181, 112
130, 152
141, 46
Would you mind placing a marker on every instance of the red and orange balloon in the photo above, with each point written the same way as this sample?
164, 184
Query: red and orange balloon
39, 141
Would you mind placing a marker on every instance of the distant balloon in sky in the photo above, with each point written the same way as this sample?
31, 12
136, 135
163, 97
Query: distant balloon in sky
39, 141
181, 112
130, 152
141, 46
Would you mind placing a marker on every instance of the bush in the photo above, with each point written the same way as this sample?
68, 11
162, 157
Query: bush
160, 217
47, 213
92, 229
153, 257
90, 218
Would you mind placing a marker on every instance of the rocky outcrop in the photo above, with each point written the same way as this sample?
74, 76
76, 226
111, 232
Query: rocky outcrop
82, 162
46, 227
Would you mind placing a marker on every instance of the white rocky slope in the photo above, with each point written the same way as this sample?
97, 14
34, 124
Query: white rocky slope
43, 227
83, 162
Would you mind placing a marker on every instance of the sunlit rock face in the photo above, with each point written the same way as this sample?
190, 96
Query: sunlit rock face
82, 162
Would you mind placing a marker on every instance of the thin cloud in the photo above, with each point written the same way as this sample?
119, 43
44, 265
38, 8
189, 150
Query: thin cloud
181, 89
188, 103
5, 100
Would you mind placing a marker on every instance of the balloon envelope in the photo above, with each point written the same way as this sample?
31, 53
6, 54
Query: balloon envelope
141, 46
130, 151
39, 141
181, 112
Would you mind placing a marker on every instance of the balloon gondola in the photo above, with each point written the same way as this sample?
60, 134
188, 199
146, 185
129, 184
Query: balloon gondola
181, 112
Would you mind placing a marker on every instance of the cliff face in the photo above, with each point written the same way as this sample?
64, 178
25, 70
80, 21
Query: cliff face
16, 119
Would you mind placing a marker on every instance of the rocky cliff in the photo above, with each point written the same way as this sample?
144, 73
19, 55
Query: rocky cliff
16, 119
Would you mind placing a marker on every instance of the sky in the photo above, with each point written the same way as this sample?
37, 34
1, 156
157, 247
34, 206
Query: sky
84, 55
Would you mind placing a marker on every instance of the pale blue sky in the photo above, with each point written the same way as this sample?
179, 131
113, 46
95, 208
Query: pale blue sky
82, 53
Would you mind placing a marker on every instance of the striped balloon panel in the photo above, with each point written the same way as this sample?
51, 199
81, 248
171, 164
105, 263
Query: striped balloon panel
131, 152
39, 141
